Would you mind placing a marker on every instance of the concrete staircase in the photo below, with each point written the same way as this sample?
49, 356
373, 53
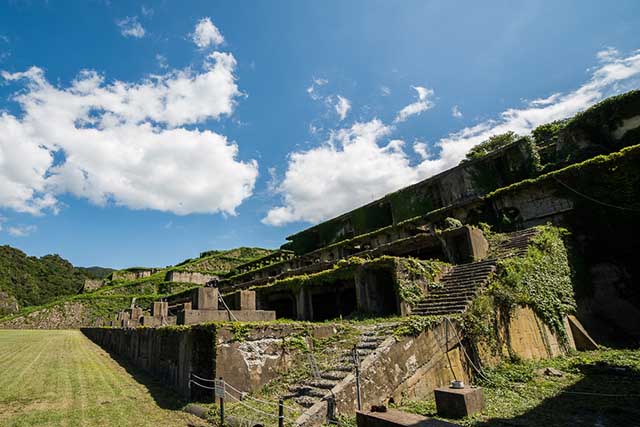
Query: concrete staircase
459, 286
309, 393
464, 282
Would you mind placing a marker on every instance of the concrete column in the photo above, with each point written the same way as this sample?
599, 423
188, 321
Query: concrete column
206, 299
160, 309
302, 306
247, 300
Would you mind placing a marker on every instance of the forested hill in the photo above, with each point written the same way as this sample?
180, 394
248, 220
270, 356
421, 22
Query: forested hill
36, 281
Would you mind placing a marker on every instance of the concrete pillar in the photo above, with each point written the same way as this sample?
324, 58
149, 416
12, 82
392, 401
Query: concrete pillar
206, 299
160, 309
247, 300
301, 305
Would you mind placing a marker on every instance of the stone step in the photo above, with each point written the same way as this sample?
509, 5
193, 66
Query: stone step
435, 303
438, 312
306, 390
429, 305
343, 368
334, 375
305, 401
323, 384
367, 345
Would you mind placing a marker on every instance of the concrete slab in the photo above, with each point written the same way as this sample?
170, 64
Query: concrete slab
395, 418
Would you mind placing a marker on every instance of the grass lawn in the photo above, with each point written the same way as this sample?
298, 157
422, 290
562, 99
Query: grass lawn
60, 378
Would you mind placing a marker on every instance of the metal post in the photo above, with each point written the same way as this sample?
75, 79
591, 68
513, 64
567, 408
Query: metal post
280, 413
221, 408
356, 362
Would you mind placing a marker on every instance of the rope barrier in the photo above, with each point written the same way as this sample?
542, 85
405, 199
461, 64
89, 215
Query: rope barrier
251, 407
203, 379
200, 385
241, 393
245, 395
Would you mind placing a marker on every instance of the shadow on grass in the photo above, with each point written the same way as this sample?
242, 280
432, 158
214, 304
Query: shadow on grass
607, 396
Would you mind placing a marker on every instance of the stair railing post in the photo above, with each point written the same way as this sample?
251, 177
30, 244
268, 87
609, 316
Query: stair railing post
280, 413
356, 362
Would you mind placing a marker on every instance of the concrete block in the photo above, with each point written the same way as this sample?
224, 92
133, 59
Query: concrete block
247, 300
190, 317
206, 299
458, 403
160, 309
580, 335
395, 418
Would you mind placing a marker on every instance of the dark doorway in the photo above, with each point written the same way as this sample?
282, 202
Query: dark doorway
283, 304
333, 301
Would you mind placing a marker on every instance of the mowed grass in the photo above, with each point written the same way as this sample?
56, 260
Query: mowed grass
61, 378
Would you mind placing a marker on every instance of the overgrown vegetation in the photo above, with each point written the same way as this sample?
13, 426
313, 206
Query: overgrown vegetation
494, 143
35, 281
591, 388
541, 279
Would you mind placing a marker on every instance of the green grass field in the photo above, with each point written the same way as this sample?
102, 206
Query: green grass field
60, 378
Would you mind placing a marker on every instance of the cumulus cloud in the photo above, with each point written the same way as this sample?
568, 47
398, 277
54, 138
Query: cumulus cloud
124, 143
356, 165
21, 230
130, 27
206, 34
422, 104
349, 169
342, 107
385, 91
455, 112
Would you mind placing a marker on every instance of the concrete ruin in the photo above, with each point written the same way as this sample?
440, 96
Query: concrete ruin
424, 251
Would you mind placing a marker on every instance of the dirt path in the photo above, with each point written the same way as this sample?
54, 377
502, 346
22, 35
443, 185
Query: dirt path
60, 378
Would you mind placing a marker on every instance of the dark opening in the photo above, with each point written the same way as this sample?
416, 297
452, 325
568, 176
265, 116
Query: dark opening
334, 301
381, 293
283, 304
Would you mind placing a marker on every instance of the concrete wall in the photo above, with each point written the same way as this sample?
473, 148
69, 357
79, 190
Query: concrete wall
247, 362
189, 277
170, 355
263, 354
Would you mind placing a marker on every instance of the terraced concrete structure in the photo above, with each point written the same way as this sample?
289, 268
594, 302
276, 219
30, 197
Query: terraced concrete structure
420, 258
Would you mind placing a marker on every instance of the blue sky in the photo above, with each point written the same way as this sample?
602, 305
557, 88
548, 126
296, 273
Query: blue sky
144, 133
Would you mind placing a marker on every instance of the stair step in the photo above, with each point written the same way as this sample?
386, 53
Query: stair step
306, 401
334, 375
323, 384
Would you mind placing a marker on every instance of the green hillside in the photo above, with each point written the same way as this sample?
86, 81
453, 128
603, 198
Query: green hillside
47, 289
36, 281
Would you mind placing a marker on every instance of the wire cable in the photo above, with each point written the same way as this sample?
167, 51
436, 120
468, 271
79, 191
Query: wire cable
594, 200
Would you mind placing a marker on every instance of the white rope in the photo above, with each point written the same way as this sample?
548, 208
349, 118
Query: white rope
200, 385
246, 395
202, 379
251, 407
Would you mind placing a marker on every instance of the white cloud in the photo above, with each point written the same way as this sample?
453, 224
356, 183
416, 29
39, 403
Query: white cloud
147, 11
311, 90
22, 230
124, 143
540, 102
342, 107
2, 221
355, 166
421, 149
349, 169
207, 34
455, 112
421, 105
385, 91
130, 27
162, 61
608, 54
